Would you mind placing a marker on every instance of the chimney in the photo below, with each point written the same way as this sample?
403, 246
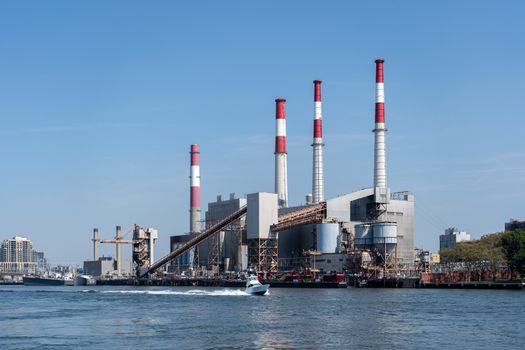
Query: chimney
95, 240
380, 185
195, 189
318, 145
281, 171
118, 237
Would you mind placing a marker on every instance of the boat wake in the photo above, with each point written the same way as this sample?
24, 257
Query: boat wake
193, 292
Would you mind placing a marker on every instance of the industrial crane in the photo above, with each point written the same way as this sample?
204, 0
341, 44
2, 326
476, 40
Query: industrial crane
118, 241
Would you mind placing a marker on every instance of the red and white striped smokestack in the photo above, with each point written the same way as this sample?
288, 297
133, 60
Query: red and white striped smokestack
380, 185
195, 189
318, 167
281, 171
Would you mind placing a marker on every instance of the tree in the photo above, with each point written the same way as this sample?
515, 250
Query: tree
493, 252
513, 243
469, 254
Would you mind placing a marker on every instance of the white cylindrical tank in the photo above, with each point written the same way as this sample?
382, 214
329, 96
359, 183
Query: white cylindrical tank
363, 236
227, 264
385, 235
327, 236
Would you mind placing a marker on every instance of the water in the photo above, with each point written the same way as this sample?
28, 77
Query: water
210, 318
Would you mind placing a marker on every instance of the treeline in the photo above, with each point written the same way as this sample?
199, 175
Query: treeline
493, 253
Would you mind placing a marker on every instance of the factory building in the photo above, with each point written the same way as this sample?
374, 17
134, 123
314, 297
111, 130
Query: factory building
226, 250
377, 219
370, 221
343, 213
142, 248
106, 266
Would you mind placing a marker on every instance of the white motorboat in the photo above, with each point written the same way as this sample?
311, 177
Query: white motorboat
253, 286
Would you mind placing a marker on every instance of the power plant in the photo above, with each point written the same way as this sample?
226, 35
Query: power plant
365, 232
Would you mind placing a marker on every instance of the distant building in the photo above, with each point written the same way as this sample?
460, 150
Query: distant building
16, 256
40, 260
106, 266
452, 237
514, 225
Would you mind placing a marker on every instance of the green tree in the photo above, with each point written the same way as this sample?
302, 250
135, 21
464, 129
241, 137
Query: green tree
469, 254
493, 252
513, 243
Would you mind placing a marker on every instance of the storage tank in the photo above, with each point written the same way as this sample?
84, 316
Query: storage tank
227, 266
327, 236
363, 236
385, 235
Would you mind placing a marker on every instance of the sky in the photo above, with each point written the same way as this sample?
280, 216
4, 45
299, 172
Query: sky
100, 101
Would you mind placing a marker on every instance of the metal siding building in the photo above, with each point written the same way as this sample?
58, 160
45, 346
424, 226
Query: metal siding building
352, 208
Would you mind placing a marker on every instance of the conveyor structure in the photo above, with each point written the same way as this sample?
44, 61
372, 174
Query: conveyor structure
307, 215
311, 214
196, 240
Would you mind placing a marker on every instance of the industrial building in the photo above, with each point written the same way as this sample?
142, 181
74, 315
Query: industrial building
142, 247
371, 225
106, 266
225, 249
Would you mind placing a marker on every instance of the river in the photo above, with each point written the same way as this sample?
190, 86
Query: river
216, 318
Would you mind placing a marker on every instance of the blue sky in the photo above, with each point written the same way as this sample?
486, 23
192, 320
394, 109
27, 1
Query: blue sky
100, 100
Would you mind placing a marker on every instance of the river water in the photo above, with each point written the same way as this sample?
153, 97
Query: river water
213, 318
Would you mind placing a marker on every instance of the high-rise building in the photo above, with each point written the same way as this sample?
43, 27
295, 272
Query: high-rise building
452, 237
17, 256
514, 224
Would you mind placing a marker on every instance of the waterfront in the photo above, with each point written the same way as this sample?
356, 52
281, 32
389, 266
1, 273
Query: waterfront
184, 317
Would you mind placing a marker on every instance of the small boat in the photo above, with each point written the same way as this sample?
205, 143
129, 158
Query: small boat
253, 286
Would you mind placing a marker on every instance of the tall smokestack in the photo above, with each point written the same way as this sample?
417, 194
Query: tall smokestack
95, 240
380, 185
118, 237
195, 196
318, 145
195, 191
281, 170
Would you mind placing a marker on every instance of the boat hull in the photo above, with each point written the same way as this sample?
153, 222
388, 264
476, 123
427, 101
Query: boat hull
258, 290
40, 281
